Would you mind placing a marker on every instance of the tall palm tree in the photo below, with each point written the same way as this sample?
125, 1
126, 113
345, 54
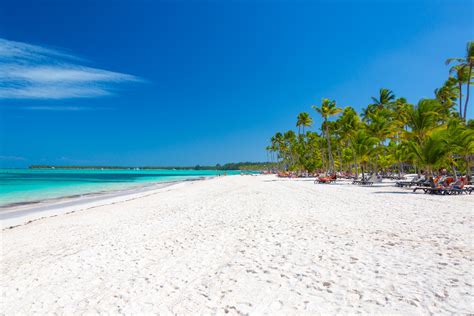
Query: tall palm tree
380, 105
381, 127
303, 120
461, 72
447, 94
399, 109
339, 139
385, 97
349, 123
327, 109
278, 146
362, 145
290, 141
466, 63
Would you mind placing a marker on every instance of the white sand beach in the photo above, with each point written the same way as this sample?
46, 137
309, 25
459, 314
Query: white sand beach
247, 245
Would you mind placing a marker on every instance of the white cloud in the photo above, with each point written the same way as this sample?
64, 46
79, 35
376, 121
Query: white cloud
60, 91
24, 52
60, 73
57, 108
34, 72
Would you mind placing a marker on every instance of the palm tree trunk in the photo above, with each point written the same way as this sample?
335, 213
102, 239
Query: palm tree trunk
356, 168
454, 172
340, 158
355, 159
460, 98
331, 159
468, 166
467, 91
376, 162
323, 162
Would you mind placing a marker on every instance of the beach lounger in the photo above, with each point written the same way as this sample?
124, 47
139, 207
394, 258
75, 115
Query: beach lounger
327, 179
428, 190
456, 191
410, 184
444, 191
363, 182
395, 177
403, 184
464, 190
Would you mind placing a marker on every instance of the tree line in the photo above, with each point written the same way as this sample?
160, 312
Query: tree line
389, 134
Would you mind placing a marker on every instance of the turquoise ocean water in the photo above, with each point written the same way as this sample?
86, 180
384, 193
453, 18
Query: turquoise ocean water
29, 185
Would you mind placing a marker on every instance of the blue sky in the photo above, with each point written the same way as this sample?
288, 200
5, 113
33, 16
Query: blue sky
203, 82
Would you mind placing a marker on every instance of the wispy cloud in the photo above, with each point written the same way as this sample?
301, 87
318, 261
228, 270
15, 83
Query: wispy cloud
58, 108
35, 72
22, 52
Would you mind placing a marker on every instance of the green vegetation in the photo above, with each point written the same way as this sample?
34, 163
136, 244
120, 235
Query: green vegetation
389, 135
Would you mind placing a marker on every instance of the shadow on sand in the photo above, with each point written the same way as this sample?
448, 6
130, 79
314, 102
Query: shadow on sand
393, 192
286, 179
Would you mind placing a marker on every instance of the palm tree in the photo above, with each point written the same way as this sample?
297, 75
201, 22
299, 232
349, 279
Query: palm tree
314, 156
431, 152
399, 109
327, 109
303, 120
385, 97
278, 146
465, 147
290, 140
459, 141
447, 94
362, 146
380, 128
461, 73
422, 119
466, 63
381, 103
349, 123
339, 139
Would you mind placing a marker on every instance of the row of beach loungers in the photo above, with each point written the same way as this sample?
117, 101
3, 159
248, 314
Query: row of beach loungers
418, 185
433, 187
333, 178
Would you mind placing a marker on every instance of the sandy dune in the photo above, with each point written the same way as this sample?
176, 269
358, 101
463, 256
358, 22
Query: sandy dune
250, 244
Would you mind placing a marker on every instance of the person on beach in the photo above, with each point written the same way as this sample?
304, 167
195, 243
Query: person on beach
422, 175
459, 184
440, 180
